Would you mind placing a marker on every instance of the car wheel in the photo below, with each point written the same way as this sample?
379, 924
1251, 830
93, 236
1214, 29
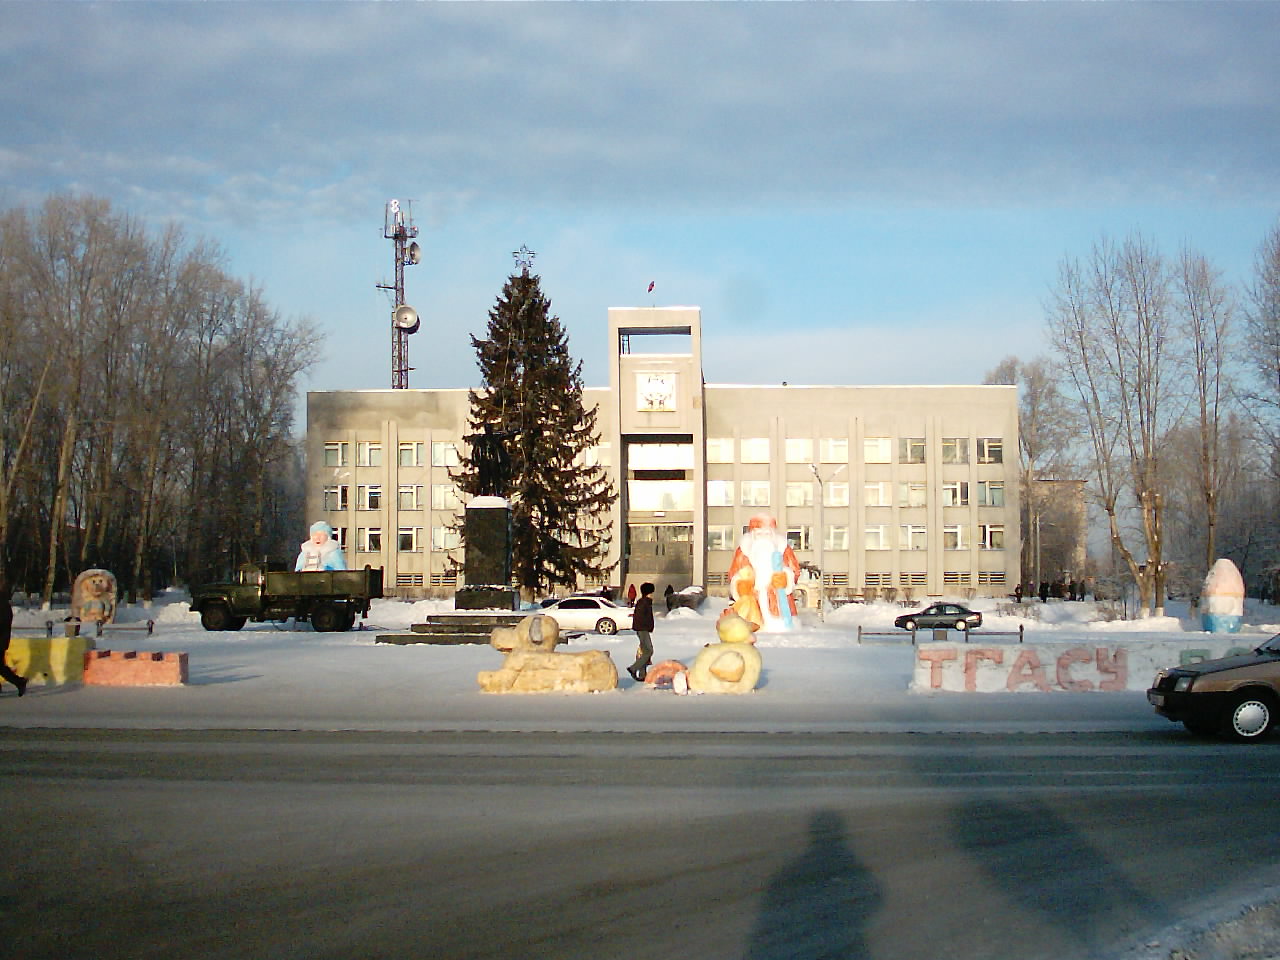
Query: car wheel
217, 616
908, 624
1249, 717
962, 624
606, 626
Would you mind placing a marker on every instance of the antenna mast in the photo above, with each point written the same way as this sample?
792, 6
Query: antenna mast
398, 227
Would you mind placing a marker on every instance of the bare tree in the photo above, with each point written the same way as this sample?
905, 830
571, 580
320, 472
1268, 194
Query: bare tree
1110, 322
1205, 309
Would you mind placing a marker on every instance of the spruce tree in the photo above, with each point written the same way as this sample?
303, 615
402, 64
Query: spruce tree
531, 398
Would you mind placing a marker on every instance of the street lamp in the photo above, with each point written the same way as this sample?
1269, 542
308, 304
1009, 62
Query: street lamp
822, 560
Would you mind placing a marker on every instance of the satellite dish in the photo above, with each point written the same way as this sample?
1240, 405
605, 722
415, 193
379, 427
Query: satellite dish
405, 318
415, 253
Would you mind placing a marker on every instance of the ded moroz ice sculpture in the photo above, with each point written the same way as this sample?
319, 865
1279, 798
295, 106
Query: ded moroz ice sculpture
762, 576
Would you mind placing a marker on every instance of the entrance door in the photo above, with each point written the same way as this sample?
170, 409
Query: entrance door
661, 552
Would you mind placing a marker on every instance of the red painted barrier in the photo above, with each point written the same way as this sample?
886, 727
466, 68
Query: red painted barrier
120, 668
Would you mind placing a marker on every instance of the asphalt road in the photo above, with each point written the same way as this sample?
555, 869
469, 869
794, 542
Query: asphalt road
234, 844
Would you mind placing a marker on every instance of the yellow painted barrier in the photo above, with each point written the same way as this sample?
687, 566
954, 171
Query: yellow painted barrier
49, 661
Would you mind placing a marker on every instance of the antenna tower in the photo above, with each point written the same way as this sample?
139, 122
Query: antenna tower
398, 227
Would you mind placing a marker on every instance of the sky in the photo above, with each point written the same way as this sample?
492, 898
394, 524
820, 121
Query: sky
872, 193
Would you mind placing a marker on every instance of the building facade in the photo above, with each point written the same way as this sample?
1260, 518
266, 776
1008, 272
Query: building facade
903, 492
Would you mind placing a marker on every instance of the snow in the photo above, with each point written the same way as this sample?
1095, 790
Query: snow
817, 678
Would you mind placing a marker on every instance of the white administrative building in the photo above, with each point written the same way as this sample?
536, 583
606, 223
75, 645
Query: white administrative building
905, 492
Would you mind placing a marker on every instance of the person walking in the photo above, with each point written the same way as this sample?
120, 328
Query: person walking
6, 628
642, 623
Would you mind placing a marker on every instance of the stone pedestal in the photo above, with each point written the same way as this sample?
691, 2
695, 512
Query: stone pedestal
487, 561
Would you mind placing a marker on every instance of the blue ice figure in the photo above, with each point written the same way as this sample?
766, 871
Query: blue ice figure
321, 551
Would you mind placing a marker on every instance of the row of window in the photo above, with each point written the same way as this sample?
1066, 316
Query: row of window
954, 450
875, 536
836, 450
677, 494
408, 539
444, 496
875, 580
337, 453
876, 493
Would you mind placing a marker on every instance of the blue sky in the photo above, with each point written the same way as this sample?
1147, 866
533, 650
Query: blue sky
853, 193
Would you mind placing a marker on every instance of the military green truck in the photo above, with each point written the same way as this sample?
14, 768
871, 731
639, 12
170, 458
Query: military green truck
269, 590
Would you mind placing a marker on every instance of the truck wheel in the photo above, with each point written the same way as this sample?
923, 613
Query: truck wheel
217, 616
349, 619
326, 618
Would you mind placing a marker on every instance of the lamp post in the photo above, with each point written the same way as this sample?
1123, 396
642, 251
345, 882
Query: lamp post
822, 544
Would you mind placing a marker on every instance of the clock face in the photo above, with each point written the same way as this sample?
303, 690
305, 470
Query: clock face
655, 391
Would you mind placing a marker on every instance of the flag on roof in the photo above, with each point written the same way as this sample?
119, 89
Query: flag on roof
651, 286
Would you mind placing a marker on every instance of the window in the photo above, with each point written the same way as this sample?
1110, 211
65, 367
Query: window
410, 496
369, 539
836, 537
875, 537
369, 496
445, 496
410, 454
991, 493
955, 449
799, 450
877, 493
335, 497
991, 576
720, 536
660, 494
755, 493
443, 454
660, 456
442, 538
955, 493
915, 536
368, 454
719, 449
953, 537
911, 449
798, 537
990, 450
719, 493
335, 454
833, 450
600, 455
835, 495
410, 539
755, 449
914, 494
877, 450
991, 536
799, 493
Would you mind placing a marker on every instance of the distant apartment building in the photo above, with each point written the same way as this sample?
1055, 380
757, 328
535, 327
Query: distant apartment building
906, 491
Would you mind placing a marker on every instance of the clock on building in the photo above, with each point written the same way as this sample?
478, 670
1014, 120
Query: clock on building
655, 391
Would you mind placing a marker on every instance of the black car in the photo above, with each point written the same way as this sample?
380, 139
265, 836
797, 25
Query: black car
940, 616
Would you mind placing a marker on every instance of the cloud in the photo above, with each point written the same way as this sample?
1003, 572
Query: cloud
707, 106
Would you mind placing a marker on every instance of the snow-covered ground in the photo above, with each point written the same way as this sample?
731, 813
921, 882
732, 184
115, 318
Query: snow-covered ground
286, 676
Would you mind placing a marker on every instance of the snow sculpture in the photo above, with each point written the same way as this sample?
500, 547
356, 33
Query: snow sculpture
731, 666
1222, 598
762, 576
533, 666
93, 597
321, 551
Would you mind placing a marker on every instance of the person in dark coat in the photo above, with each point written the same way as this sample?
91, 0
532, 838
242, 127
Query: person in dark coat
642, 623
6, 629
669, 593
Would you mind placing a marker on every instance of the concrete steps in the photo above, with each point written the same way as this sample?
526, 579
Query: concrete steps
453, 628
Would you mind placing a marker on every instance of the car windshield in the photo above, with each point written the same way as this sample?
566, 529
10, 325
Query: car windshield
1271, 646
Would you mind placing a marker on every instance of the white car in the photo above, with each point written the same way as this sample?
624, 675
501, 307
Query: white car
590, 614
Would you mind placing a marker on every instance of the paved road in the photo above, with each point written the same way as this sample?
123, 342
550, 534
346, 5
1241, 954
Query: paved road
234, 844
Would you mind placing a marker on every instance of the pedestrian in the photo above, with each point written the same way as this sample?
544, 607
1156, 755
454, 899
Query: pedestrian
669, 593
642, 623
631, 595
6, 629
